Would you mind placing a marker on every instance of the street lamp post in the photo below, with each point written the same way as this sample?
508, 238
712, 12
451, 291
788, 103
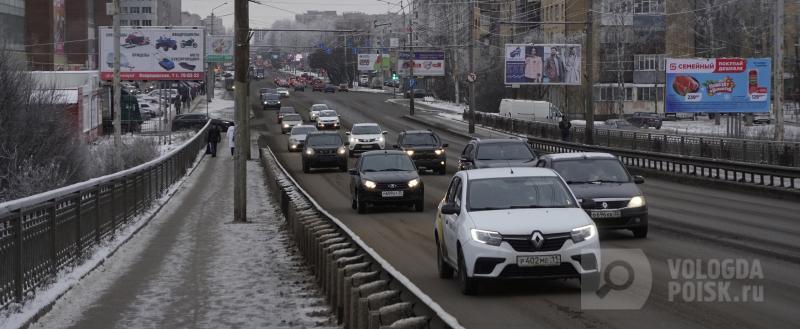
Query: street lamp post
210, 76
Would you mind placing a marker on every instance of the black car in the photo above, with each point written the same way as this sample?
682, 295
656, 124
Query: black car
197, 121
271, 101
491, 153
418, 93
615, 202
330, 89
284, 110
386, 178
324, 150
425, 149
645, 120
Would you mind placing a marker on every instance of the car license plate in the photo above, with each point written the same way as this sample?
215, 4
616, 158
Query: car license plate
531, 261
391, 194
606, 214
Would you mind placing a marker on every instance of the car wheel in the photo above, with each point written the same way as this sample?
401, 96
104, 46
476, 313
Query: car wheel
442, 267
640, 232
360, 205
419, 206
306, 168
353, 203
469, 286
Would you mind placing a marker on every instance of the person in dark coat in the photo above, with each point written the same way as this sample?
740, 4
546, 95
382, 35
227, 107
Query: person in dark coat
564, 125
213, 138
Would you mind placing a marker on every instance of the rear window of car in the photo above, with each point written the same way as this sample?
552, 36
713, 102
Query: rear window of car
324, 140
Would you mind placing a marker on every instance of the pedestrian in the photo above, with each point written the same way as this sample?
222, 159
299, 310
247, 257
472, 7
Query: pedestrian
565, 126
177, 103
213, 139
231, 138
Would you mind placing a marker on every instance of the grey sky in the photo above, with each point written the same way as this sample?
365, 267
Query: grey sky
264, 16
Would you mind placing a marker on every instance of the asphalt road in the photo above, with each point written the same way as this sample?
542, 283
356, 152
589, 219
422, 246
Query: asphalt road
406, 240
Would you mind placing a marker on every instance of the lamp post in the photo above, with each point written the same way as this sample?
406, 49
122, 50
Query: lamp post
210, 76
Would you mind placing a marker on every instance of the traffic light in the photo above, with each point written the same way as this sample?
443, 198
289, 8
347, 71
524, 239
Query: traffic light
394, 75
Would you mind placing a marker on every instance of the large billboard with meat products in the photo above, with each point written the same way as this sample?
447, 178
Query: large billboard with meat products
426, 64
722, 85
154, 53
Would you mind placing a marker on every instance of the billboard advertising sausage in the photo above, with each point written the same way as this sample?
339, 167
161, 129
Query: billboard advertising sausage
154, 53
723, 85
426, 64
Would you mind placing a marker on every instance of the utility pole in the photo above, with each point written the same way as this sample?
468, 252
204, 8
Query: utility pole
116, 82
589, 107
777, 47
472, 25
242, 140
410, 59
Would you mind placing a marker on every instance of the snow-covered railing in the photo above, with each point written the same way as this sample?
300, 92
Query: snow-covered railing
45, 233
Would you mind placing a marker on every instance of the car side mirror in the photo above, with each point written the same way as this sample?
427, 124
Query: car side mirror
450, 208
588, 203
464, 159
347, 133
637, 179
352, 171
384, 132
445, 145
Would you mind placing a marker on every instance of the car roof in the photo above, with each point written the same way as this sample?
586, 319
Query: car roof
499, 140
383, 152
579, 155
507, 172
428, 132
323, 133
365, 124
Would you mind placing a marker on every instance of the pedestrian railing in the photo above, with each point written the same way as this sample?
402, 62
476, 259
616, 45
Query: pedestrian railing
43, 234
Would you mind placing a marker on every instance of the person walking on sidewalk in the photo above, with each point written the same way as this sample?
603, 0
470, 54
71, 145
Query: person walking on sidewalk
231, 138
213, 139
565, 126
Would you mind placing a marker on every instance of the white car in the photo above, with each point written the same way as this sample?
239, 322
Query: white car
284, 92
290, 120
297, 137
366, 137
510, 223
328, 119
315, 109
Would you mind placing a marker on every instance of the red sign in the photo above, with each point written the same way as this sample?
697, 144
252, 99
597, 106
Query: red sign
730, 65
154, 75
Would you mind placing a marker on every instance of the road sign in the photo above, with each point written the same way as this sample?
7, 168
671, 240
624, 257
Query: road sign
412, 83
394, 42
472, 77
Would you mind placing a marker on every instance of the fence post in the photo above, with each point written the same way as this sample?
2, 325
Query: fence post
634, 141
53, 235
97, 234
125, 199
18, 286
78, 244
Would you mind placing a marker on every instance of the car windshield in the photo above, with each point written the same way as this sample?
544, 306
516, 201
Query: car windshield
518, 192
287, 110
387, 162
582, 171
419, 140
282, 89
504, 151
292, 117
302, 130
324, 140
327, 114
273, 97
319, 107
366, 130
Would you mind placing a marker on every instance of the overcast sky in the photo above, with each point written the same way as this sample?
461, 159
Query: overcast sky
264, 16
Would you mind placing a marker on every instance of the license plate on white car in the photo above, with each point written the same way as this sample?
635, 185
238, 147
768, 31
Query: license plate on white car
392, 194
531, 261
606, 214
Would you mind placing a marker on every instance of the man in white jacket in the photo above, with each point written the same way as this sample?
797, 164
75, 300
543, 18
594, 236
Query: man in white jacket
231, 138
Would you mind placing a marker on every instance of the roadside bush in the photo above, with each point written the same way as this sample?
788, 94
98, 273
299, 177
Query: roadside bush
108, 159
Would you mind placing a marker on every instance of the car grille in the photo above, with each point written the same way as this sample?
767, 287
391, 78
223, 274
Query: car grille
563, 270
367, 140
324, 152
392, 186
424, 155
616, 204
523, 243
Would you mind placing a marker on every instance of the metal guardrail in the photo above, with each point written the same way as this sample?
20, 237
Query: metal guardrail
738, 150
45, 233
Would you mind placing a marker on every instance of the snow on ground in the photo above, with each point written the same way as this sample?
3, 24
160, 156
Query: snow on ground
221, 106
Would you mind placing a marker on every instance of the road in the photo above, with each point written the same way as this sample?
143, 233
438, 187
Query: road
406, 240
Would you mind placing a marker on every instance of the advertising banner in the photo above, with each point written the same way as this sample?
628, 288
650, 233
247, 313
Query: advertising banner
154, 53
426, 64
718, 85
543, 64
374, 62
220, 49
59, 33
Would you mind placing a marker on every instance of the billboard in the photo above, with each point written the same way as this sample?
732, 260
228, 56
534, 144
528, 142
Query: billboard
220, 48
154, 53
426, 64
59, 34
543, 64
718, 84
374, 62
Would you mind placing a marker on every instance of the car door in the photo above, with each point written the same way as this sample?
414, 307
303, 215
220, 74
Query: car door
450, 221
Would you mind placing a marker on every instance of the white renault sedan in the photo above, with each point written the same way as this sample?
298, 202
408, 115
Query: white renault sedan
513, 223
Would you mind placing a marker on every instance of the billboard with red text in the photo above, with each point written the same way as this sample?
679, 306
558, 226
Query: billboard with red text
724, 85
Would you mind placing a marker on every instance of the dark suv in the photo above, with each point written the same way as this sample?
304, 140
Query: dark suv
386, 178
645, 120
271, 101
614, 200
492, 153
425, 149
324, 150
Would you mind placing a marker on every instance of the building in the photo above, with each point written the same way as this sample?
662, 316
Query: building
214, 25
12, 23
150, 12
45, 36
315, 15
189, 19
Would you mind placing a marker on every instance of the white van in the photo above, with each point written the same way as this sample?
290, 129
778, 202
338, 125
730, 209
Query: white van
530, 110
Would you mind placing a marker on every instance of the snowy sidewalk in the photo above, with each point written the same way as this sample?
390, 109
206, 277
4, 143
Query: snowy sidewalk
191, 267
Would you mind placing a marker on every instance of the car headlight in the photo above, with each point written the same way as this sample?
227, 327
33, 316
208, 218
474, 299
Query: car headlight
583, 233
309, 151
439, 152
413, 183
265, 102
637, 201
488, 237
342, 150
369, 184
286, 125
410, 152
380, 139
352, 140
293, 146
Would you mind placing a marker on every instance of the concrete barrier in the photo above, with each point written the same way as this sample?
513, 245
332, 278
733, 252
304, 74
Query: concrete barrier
363, 289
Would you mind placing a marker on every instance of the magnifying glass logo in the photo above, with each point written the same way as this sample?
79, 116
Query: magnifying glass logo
609, 284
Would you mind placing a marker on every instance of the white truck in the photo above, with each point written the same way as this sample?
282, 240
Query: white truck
530, 110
